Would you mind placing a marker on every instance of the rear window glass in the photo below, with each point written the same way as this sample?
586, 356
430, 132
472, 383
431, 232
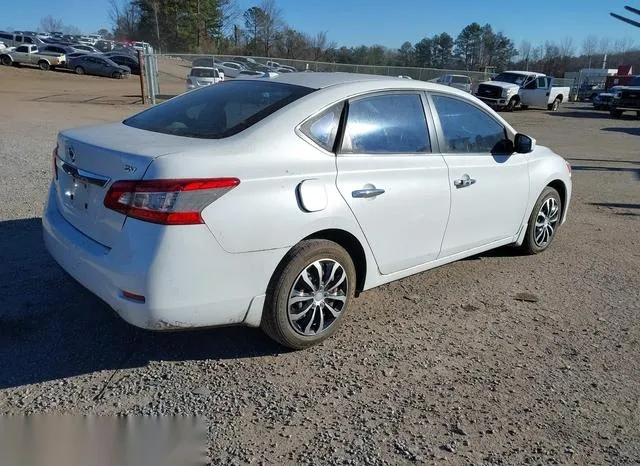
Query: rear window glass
219, 111
204, 73
461, 79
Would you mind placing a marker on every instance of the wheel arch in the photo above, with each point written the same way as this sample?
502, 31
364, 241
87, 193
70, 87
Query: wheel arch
354, 248
559, 186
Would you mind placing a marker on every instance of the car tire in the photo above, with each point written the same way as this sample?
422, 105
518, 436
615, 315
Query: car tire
543, 222
554, 106
511, 106
79, 70
116, 75
615, 113
6, 60
44, 66
309, 294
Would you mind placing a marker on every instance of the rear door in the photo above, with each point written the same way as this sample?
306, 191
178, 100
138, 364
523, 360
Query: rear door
489, 189
396, 187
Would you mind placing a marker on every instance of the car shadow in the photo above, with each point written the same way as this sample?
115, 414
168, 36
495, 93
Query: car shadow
616, 205
631, 131
586, 113
635, 171
52, 328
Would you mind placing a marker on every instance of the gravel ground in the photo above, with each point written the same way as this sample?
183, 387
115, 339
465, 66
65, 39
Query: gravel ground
454, 364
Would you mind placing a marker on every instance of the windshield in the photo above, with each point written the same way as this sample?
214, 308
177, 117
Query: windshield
219, 111
513, 78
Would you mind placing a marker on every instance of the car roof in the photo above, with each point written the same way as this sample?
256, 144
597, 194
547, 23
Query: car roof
324, 80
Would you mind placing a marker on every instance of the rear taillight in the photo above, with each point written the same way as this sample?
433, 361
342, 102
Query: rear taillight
54, 157
167, 202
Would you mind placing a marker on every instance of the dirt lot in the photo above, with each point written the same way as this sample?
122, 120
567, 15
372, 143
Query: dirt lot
445, 365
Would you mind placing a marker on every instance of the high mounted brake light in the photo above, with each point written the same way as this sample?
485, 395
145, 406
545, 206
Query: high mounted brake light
167, 202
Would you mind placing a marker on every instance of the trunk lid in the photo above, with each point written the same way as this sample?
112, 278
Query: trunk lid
90, 160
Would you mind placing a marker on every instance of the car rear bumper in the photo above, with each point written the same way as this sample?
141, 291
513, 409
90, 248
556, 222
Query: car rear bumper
187, 280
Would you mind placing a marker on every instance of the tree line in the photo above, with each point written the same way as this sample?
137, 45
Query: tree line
217, 26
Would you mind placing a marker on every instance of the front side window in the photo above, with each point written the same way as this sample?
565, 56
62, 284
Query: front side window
542, 83
322, 129
466, 128
220, 111
23, 49
386, 124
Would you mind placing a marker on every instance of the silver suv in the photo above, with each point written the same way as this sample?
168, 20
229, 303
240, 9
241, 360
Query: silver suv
459, 81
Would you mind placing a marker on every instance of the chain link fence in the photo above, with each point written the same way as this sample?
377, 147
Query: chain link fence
166, 74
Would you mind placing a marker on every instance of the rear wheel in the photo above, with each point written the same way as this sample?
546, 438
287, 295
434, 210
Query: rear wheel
44, 65
6, 60
79, 70
555, 105
309, 294
116, 75
543, 222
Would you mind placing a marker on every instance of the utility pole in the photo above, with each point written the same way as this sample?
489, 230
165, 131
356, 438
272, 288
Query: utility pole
155, 14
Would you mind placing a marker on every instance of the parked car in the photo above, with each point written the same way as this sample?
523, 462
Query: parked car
626, 99
230, 69
59, 49
12, 39
245, 73
272, 65
98, 66
103, 45
602, 101
86, 48
128, 61
29, 55
192, 214
512, 89
201, 76
459, 81
244, 60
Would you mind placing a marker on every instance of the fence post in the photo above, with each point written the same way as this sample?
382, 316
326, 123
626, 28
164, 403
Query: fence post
142, 72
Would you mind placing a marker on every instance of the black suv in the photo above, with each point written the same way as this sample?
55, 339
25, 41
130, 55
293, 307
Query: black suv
626, 99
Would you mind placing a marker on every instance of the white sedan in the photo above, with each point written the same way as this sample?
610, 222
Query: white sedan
272, 202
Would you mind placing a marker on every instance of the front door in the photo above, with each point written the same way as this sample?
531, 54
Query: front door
489, 190
396, 187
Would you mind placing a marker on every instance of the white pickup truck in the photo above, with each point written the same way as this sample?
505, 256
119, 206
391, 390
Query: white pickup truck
512, 89
29, 55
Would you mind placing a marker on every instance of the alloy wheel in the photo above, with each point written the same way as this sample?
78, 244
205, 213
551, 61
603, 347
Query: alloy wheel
546, 222
317, 297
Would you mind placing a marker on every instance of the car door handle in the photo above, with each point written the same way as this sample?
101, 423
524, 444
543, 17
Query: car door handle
464, 182
367, 193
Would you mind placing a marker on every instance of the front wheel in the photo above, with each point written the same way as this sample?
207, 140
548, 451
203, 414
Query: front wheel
543, 222
309, 294
79, 70
511, 106
6, 60
615, 113
116, 75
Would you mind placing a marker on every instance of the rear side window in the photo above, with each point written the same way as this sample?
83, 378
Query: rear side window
466, 128
386, 124
322, 129
219, 111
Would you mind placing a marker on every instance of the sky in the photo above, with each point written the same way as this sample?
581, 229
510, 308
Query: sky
368, 22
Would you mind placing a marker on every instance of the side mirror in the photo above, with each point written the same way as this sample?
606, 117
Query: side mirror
503, 147
524, 144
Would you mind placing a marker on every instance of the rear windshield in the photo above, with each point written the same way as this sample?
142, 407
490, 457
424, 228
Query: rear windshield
461, 79
204, 73
219, 111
